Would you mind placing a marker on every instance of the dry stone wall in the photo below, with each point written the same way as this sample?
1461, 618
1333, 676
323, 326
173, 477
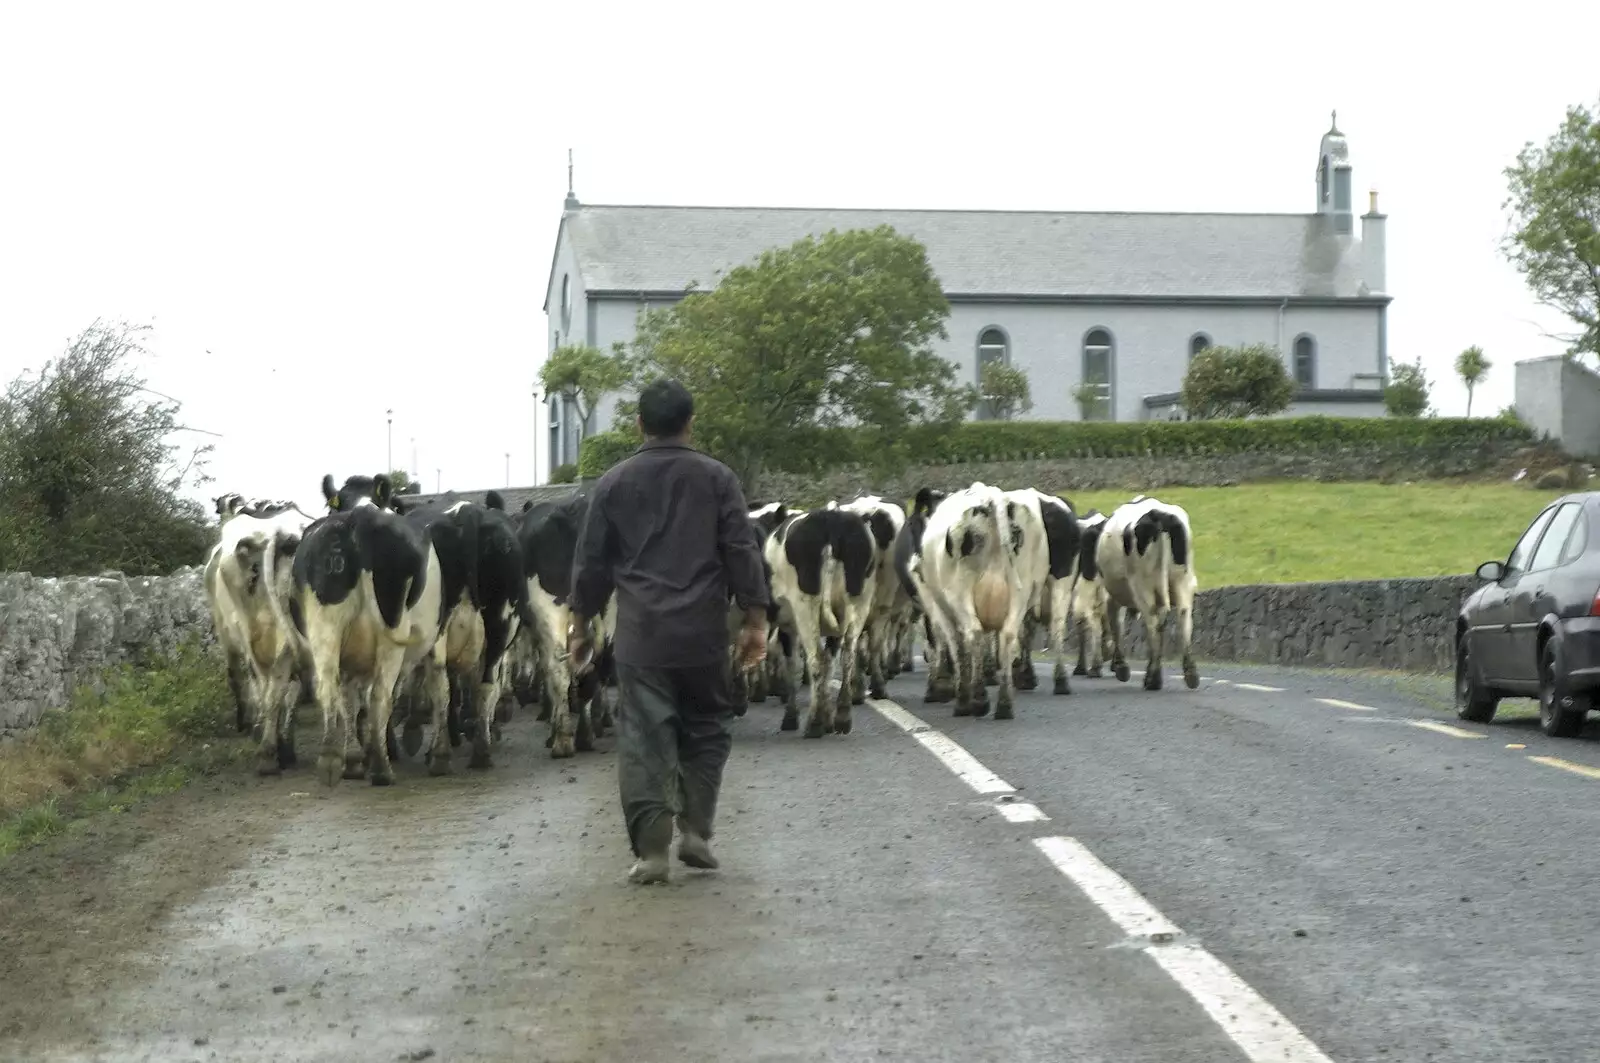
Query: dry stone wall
1065, 475
56, 634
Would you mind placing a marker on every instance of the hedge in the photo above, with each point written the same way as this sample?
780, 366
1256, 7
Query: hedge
974, 441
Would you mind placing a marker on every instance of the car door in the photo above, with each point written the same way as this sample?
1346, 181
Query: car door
1533, 597
1490, 626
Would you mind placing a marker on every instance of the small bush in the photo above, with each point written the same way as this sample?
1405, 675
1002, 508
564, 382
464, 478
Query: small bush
1407, 392
565, 474
140, 716
602, 450
1230, 382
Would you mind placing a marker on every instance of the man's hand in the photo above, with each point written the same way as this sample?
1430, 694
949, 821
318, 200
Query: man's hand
753, 644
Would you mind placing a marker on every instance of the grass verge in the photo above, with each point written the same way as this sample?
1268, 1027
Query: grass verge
1299, 532
142, 730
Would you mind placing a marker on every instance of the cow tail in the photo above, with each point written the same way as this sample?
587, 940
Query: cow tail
1178, 538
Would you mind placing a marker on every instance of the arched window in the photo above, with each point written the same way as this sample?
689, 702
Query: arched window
1198, 342
993, 349
1322, 178
566, 300
1305, 361
1099, 370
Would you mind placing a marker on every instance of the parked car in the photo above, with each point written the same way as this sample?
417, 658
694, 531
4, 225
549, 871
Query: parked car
1533, 628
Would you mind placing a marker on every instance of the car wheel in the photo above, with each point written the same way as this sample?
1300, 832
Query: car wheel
1473, 702
1560, 714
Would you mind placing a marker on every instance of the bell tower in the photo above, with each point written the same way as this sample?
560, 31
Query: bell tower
1334, 177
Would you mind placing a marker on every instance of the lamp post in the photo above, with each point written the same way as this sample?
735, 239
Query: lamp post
437, 480
389, 453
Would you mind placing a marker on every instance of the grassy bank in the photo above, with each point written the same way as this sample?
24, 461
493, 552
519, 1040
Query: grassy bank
1310, 532
147, 730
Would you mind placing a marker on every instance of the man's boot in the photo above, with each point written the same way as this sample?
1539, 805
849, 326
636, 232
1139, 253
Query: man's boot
693, 848
655, 841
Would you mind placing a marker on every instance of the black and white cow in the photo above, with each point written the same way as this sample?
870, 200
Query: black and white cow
891, 605
548, 534
1146, 559
1051, 518
750, 685
971, 586
824, 564
485, 597
367, 599
234, 504
907, 569
263, 653
1089, 600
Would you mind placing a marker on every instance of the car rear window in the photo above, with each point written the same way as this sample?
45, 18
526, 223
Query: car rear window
1577, 539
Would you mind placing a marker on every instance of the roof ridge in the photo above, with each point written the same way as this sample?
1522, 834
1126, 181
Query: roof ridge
955, 210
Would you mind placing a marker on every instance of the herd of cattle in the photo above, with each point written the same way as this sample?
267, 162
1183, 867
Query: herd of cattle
455, 612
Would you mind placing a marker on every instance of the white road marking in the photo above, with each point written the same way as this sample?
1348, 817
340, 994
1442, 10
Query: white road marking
1021, 812
1259, 1029
1336, 703
1567, 765
1258, 686
1446, 729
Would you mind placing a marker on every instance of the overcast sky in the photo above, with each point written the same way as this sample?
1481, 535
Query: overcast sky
352, 207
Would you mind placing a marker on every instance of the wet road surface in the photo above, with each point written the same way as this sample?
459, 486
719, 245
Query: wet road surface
1326, 879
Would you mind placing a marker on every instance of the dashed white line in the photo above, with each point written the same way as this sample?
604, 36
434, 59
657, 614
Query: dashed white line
1258, 686
1446, 729
1567, 765
1336, 703
1259, 1029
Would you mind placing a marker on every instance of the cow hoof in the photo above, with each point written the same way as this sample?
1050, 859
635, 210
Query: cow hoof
962, 709
503, 711
329, 767
1095, 673
1152, 680
1080, 670
878, 693
481, 760
791, 722
1122, 672
355, 770
1062, 686
841, 727
268, 765
584, 743
438, 765
858, 699
814, 728
563, 748
981, 708
383, 778
1191, 678
1003, 711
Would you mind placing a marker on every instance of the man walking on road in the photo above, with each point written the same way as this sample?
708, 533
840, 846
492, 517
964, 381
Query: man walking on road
669, 530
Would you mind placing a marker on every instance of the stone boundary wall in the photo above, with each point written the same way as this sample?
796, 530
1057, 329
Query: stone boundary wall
1402, 624
1064, 475
56, 634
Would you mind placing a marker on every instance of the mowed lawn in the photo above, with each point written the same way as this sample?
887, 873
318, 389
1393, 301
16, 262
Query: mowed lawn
1301, 532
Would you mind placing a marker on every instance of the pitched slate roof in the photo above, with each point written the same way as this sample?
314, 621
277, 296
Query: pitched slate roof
622, 249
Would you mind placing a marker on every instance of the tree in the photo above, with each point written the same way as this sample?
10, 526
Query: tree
89, 476
1406, 394
1227, 382
402, 483
1554, 203
1005, 389
583, 375
1472, 367
827, 332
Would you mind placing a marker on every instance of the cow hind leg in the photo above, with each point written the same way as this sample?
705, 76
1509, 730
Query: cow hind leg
972, 695
1153, 631
1191, 673
1004, 697
355, 738
1022, 674
1119, 663
436, 693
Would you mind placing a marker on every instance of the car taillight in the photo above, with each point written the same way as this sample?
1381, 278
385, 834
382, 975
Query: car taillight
1594, 607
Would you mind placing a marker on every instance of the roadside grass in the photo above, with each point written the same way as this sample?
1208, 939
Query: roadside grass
145, 729
1299, 532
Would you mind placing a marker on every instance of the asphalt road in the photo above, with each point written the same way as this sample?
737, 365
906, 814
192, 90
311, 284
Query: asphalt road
1324, 881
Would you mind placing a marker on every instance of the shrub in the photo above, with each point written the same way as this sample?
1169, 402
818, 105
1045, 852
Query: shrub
1230, 382
975, 441
565, 474
1407, 392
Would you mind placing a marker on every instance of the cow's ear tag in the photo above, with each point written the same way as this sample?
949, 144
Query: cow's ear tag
333, 503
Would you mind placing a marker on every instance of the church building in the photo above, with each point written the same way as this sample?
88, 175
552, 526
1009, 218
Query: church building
1103, 310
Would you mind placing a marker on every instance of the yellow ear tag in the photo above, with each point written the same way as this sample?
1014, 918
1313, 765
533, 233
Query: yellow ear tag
333, 503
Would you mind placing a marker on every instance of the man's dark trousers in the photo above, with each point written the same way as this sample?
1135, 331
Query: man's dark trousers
672, 743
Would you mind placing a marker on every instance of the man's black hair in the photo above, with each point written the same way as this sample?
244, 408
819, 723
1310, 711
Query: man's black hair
665, 407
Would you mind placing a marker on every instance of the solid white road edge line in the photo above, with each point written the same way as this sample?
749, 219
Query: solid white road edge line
1446, 729
1262, 1032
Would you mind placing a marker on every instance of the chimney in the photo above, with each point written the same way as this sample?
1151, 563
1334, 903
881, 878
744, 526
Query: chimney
1373, 246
